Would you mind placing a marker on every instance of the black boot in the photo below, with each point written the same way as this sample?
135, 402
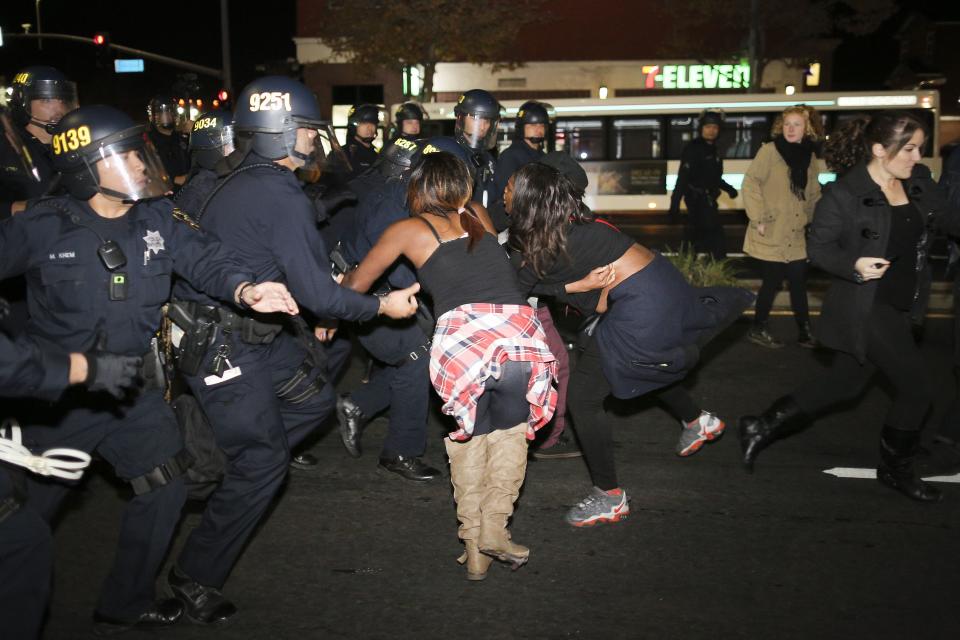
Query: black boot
805, 336
351, 422
898, 450
783, 418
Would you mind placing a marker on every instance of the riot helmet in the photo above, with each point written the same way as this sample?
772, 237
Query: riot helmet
211, 137
408, 115
478, 114
711, 117
163, 112
100, 149
56, 95
533, 112
363, 114
397, 158
271, 110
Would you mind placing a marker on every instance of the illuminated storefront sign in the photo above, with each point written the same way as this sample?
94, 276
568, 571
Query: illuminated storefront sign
696, 76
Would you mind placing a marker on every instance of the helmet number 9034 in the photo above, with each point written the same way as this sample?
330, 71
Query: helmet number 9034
270, 101
71, 140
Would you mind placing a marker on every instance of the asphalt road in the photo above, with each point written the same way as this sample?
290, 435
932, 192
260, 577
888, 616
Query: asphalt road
708, 551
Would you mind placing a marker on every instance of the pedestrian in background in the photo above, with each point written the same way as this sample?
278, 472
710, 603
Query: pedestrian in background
872, 234
780, 191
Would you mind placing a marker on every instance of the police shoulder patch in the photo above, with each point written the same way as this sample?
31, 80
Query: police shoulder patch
183, 216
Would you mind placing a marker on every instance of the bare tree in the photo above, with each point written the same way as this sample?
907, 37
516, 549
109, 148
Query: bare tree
771, 28
394, 34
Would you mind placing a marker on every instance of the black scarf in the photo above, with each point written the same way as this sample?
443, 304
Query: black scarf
797, 155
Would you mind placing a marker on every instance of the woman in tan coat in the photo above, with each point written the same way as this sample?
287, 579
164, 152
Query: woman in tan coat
780, 190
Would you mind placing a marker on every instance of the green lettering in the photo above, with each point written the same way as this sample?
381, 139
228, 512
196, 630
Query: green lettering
725, 71
682, 77
710, 76
696, 76
669, 76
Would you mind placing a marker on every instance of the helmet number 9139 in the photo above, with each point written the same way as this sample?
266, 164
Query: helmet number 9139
71, 140
270, 101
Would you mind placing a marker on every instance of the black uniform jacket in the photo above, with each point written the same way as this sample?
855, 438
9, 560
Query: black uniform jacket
264, 219
852, 220
69, 288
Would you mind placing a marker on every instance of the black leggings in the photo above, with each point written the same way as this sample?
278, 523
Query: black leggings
892, 350
503, 404
773, 274
586, 393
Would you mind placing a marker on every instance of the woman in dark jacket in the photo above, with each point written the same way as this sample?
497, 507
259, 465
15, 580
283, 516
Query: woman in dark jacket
872, 232
648, 338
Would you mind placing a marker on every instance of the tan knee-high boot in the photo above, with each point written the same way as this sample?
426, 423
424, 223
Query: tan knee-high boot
468, 461
506, 469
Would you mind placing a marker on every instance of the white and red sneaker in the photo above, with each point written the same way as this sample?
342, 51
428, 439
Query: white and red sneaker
693, 434
599, 507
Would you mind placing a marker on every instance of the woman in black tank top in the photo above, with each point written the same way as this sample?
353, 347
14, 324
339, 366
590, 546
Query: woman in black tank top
489, 360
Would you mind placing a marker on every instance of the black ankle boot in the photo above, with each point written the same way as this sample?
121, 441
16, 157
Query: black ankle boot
783, 418
898, 450
805, 336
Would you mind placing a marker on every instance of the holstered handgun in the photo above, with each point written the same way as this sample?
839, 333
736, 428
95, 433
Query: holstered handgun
198, 335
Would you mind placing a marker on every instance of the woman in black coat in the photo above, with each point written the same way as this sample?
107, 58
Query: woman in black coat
871, 232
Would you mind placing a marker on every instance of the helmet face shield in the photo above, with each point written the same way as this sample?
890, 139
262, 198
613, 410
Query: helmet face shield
129, 170
164, 116
325, 151
478, 131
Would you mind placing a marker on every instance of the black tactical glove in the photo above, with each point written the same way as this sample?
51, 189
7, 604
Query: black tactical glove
111, 372
732, 193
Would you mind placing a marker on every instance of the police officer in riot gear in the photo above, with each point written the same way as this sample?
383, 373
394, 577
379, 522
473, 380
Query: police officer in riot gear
99, 265
699, 183
39, 97
211, 139
402, 383
408, 122
171, 145
477, 117
261, 381
26, 370
529, 134
362, 123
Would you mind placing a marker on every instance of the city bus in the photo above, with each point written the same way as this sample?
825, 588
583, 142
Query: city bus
630, 147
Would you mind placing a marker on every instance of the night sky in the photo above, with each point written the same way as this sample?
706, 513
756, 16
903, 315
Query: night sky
186, 30
191, 31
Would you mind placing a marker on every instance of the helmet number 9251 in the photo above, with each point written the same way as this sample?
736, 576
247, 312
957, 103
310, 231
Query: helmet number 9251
270, 101
71, 140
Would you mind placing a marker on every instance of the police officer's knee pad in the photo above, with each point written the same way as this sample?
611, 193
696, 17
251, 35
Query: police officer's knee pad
162, 474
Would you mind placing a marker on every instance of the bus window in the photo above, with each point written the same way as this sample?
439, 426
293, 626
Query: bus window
742, 136
582, 139
636, 138
505, 135
680, 131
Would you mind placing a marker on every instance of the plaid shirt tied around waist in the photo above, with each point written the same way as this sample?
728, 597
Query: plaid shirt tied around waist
472, 342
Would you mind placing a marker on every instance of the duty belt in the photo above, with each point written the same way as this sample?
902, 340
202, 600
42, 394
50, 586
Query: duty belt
250, 330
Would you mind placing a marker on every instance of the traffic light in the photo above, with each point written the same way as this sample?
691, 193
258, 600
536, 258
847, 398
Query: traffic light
223, 99
101, 40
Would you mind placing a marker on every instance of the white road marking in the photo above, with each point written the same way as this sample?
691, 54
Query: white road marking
853, 472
